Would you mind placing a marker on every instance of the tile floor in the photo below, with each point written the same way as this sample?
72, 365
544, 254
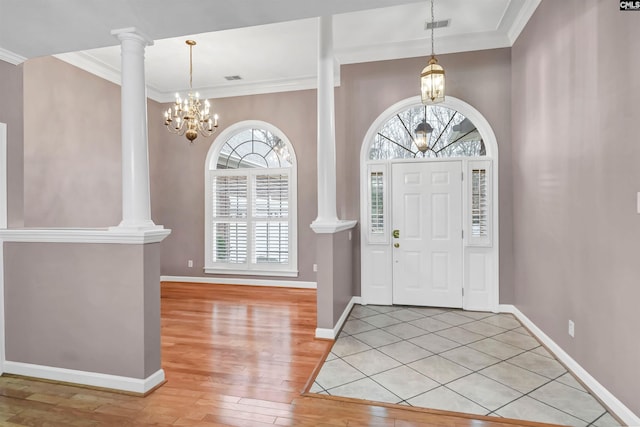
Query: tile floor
472, 362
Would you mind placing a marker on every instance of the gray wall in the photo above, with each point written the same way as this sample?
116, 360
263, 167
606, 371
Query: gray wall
576, 175
72, 150
482, 79
83, 315
11, 113
335, 276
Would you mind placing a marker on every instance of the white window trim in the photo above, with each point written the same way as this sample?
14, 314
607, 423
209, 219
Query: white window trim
290, 270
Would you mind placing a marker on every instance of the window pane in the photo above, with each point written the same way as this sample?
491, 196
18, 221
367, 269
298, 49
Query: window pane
230, 242
452, 135
254, 148
271, 196
377, 208
271, 241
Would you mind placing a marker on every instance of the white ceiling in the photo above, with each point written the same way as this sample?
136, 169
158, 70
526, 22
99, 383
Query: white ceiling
271, 44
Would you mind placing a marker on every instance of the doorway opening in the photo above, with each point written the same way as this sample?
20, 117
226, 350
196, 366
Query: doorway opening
429, 212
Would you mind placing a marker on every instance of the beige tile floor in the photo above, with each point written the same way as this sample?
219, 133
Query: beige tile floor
472, 362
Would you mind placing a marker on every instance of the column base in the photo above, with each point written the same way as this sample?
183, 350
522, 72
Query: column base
128, 225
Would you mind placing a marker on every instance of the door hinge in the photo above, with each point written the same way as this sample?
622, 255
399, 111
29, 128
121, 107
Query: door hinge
462, 234
462, 176
462, 291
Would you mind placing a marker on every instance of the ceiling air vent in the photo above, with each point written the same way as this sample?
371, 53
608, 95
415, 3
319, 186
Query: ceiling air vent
233, 77
438, 24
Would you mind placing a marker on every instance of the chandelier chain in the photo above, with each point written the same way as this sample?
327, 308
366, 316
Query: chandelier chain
433, 21
191, 66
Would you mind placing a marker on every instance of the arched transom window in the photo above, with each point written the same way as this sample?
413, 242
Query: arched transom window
450, 134
251, 202
254, 148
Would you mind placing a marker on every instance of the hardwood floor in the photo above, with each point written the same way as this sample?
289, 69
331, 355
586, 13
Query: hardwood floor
233, 356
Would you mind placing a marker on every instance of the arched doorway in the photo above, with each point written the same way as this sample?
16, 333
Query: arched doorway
429, 217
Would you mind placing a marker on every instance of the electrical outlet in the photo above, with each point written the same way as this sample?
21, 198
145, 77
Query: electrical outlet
572, 328
190, 263
315, 268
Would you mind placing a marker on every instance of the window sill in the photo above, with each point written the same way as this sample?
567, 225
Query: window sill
275, 273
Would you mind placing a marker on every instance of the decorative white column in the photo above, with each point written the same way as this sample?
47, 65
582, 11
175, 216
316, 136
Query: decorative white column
327, 220
136, 205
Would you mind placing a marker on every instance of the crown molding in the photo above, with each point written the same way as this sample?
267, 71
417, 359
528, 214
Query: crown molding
256, 88
90, 64
10, 57
503, 37
416, 48
521, 20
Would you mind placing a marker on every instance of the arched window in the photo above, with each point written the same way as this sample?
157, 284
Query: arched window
251, 202
451, 134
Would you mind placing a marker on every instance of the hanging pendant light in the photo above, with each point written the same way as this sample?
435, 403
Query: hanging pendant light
432, 77
422, 133
191, 117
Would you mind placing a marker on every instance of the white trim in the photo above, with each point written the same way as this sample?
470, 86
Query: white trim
84, 235
242, 282
3, 225
420, 47
2, 327
524, 15
331, 334
93, 379
3, 176
251, 88
85, 61
330, 227
274, 272
11, 57
617, 407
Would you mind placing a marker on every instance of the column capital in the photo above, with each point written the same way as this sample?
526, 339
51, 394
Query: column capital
132, 33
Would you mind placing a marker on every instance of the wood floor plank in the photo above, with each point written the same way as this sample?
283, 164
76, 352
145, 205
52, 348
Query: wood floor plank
233, 356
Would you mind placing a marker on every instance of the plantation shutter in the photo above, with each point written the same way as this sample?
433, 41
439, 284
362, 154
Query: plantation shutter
229, 218
480, 221
377, 203
271, 218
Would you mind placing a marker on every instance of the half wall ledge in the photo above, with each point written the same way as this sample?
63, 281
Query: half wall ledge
330, 227
85, 235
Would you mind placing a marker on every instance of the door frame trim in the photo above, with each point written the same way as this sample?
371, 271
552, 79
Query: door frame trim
491, 146
3, 225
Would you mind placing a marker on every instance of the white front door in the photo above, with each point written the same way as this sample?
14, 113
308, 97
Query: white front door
427, 252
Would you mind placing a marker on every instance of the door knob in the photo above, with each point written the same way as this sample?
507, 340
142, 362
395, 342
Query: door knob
396, 245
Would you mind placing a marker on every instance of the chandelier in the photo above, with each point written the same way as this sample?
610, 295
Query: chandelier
422, 133
432, 77
190, 116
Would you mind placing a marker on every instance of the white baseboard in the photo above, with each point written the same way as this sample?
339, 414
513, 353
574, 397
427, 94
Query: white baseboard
617, 407
93, 379
331, 334
247, 282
